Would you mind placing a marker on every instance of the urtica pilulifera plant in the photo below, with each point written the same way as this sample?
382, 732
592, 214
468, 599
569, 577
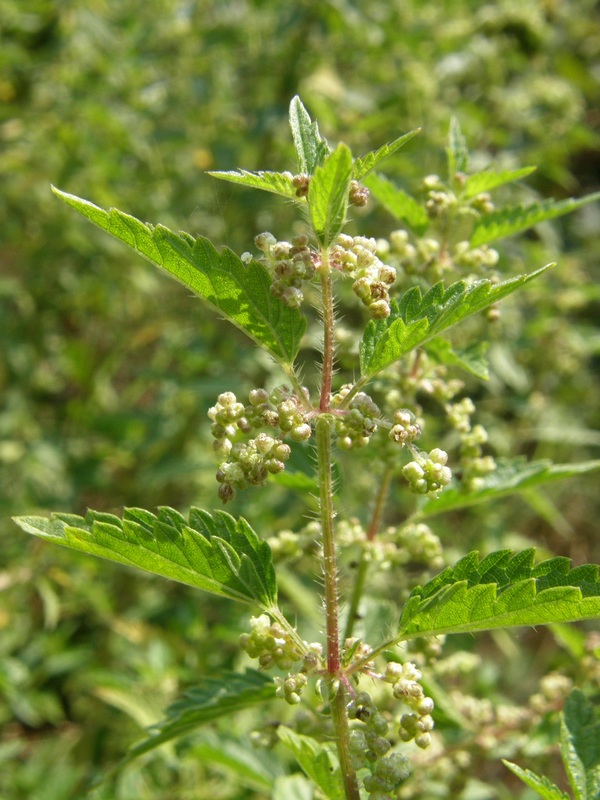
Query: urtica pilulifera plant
358, 705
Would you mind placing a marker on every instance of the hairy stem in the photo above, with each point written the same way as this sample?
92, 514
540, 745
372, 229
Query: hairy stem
324, 436
324, 428
363, 564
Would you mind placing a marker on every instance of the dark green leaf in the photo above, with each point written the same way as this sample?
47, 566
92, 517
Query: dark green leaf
213, 698
399, 204
328, 195
501, 590
216, 553
416, 318
580, 746
240, 293
311, 147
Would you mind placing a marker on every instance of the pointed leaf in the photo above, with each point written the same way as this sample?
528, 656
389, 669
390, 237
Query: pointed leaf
276, 182
368, 162
488, 179
240, 293
510, 477
471, 359
508, 221
328, 195
458, 155
417, 319
500, 591
540, 784
316, 760
399, 204
580, 746
216, 553
311, 147
213, 698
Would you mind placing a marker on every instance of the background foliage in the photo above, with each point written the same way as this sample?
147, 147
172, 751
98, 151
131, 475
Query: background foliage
107, 367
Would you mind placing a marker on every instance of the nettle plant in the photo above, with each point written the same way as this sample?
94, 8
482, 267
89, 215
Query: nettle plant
363, 706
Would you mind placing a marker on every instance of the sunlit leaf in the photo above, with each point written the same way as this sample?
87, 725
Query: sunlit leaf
538, 783
399, 204
328, 194
508, 221
418, 318
276, 182
217, 553
457, 153
368, 162
311, 147
488, 179
501, 590
317, 761
240, 292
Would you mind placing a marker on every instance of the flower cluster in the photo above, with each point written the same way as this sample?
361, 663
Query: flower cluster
291, 263
475, 466
274, 647
357, 257
477, 259
428, 472
418, 724
369, 747
359, 420
406, 428
249, 463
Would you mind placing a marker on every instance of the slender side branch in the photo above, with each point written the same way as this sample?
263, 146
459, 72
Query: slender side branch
363, 564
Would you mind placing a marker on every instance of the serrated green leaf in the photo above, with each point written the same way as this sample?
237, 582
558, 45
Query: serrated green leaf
240, 293
416, 318
488, 179
328, 195
368, 162
275, 182
317, 761
508, 221
311, 147
502, 590
213, 698
217, 553
457, 152
471, 359
538, 783
580, 746
399, 204
510, 477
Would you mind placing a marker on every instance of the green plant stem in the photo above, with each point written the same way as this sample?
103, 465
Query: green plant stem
324, 428
363, 564
324, 436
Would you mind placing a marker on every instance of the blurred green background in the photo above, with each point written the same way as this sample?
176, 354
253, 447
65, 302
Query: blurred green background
107, 367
